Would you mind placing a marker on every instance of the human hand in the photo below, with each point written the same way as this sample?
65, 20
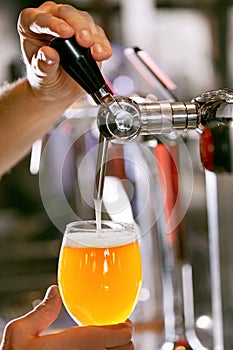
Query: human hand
36, 27
24, 333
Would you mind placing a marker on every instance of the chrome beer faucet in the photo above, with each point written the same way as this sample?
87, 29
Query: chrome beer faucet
210, 113
122, 119
78, 62
153, 118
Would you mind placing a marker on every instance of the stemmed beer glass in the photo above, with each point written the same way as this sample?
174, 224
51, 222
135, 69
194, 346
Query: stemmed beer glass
99, 272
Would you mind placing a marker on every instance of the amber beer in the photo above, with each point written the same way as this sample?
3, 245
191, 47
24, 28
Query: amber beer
100, 272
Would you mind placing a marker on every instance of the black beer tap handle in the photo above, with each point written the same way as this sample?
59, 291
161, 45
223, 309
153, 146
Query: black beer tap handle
78, 62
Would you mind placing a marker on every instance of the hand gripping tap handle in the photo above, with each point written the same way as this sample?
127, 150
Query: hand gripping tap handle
78, 62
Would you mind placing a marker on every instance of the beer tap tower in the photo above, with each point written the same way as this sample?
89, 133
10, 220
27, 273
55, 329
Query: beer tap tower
121, 119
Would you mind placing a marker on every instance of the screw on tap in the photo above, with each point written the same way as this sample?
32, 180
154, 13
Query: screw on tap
119, 119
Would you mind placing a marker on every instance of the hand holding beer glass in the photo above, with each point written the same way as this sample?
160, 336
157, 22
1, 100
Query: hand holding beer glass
100, 272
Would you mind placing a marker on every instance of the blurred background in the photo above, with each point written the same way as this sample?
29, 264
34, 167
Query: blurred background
192, 41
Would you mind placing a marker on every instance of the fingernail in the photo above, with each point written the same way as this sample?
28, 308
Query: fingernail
85, 35
65, 29
98, 48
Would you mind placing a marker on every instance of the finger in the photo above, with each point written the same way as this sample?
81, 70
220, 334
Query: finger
101, 49
104, 337
33, 21
46, 62
44, 314
52, 19
118, 335
87, 33
81, 21
53, 15
129, 323
50, 75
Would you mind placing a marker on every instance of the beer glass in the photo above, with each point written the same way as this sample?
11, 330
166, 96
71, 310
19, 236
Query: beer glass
99, 272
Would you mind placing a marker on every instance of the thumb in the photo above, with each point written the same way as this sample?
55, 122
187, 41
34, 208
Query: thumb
46, 61
45, 313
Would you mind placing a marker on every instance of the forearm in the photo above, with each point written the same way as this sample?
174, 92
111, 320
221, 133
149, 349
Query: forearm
31, 107
24, 118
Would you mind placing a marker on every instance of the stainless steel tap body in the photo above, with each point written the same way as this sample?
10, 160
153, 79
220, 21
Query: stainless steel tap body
153, 118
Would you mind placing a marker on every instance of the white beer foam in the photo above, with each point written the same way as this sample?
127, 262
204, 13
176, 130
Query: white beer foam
98, 239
